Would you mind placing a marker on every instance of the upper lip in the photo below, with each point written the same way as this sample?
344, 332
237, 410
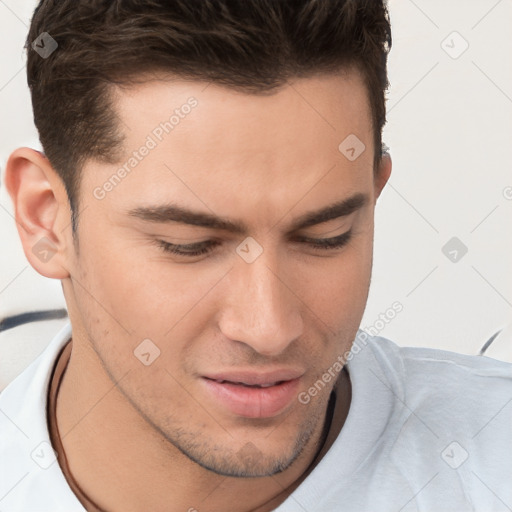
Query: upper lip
253, 378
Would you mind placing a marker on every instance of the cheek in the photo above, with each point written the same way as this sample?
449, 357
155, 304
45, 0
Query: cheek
337, 288
138, 290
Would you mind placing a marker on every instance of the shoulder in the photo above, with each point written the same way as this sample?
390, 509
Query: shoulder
455, 404
439, 380
427, 429
438, 369
452, 417
439, 393
31, 476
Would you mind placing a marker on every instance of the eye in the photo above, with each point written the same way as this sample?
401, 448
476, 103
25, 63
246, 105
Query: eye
189, 249
335, 242
200, 248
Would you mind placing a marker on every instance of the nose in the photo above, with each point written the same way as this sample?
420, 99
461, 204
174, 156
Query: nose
262, 310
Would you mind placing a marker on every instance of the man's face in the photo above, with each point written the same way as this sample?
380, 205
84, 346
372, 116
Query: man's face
224, 328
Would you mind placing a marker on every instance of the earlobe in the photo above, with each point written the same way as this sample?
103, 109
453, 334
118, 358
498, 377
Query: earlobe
382, 175
38, 198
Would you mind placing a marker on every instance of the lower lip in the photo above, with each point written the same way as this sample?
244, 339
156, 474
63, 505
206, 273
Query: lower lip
253, 402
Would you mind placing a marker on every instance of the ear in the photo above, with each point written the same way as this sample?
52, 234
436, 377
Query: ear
382, 175
42, 211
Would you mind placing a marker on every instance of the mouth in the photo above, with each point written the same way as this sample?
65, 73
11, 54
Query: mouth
264, 385
253, 395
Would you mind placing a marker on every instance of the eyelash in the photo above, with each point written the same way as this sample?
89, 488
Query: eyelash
201, 248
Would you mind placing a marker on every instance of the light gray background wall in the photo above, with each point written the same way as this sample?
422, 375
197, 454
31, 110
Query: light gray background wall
449, 131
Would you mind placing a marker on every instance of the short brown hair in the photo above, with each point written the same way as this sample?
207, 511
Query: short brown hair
251, 45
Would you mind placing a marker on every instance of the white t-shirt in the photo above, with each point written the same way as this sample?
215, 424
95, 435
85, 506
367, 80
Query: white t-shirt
427, 430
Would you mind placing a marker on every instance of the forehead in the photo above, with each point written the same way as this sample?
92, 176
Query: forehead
210, 144
334, 103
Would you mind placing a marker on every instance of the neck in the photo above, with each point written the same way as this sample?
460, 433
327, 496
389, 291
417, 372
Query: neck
122, 463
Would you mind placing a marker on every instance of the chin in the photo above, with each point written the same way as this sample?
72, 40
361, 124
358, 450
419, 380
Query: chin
248, 462
251, 460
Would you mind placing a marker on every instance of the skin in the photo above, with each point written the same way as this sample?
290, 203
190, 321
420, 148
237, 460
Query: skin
156, 440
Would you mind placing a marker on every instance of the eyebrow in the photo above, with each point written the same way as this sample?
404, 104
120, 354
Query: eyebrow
175, 213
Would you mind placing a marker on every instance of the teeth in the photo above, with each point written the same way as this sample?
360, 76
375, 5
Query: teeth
257, 385
247, 385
